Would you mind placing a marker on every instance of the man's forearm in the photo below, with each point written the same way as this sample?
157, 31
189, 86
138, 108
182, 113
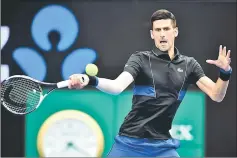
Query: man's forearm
219, 90
116, 86
108, 86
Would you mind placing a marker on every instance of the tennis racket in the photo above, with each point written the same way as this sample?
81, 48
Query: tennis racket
22, 94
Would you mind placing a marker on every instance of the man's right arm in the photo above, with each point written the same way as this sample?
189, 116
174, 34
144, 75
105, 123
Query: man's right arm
116, 86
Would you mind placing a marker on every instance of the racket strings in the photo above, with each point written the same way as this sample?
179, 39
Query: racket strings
20, 95
18, 101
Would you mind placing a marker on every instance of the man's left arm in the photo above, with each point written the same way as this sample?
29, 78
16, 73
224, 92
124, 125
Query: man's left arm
217, 90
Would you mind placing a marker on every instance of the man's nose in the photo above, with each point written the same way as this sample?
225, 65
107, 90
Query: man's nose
162, 33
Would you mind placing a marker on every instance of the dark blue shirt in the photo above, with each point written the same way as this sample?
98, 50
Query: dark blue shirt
159, 87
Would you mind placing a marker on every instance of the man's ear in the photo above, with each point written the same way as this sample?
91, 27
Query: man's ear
152, 37
176, 32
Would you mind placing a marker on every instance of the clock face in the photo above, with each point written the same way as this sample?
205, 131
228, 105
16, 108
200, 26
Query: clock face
70, 137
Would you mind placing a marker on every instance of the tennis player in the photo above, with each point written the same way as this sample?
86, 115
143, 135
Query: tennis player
161, 77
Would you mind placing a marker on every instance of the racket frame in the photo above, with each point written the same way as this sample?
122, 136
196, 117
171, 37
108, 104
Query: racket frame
61, 84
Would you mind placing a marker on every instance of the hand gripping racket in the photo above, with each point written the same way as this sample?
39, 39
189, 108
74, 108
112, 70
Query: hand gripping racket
22, 94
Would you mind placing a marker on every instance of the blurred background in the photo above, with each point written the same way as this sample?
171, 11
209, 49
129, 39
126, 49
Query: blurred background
50, 40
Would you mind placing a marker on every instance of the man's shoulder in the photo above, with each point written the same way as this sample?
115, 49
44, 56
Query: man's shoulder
188, 58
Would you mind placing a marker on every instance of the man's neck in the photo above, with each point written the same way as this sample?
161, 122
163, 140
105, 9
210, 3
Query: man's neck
171, 53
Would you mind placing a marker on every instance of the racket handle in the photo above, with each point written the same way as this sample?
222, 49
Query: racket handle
63, 84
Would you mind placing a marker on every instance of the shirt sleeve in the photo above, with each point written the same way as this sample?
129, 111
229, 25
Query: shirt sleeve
134, 64
196, 72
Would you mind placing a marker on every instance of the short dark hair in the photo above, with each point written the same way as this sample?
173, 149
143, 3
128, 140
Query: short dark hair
162, 14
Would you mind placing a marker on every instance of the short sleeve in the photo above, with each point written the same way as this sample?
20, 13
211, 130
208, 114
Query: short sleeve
196, 72
134, 64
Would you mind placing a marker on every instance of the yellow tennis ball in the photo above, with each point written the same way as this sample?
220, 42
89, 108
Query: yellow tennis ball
91, 69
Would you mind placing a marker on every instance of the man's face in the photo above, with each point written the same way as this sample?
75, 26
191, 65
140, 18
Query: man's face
164, 33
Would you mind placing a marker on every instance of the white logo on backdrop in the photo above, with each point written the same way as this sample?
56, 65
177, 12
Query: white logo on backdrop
5, 32
182, 132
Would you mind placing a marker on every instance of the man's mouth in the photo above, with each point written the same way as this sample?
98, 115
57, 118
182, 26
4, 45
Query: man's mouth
163, 42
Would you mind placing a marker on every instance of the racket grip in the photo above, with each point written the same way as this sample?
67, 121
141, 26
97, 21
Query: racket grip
63, 84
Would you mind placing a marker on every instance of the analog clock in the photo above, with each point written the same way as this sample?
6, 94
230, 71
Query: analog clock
70, 133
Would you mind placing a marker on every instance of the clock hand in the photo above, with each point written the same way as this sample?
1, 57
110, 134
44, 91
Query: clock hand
71, 145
